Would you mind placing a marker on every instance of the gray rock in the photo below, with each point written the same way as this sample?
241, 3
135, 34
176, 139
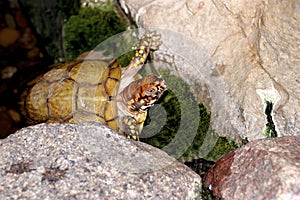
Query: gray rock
262, 169
235, 54
88, 161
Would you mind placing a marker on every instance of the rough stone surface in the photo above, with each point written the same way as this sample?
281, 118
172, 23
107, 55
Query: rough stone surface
88, 161
235, 54
263, 169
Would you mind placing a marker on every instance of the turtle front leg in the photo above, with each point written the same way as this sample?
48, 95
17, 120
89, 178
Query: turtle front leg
150, 41
130, 128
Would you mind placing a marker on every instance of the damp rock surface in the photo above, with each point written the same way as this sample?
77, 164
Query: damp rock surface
235, 54
262, 169
88, 161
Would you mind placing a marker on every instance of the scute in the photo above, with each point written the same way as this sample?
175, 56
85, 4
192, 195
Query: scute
91, 99
111, 111
36, 103
111, 86
60, 101
115, 70
54, 75
58, 72
89, 72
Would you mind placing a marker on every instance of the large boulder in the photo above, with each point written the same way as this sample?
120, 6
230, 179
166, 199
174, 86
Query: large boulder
262, 169
237, 55
89, 161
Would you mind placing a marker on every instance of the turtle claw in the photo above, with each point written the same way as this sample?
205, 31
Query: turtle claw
155, 45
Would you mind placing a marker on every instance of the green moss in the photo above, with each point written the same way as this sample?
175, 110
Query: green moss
92, 25
175, 112
222, 147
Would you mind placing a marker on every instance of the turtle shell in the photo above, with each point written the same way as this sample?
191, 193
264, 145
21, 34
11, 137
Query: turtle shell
75, 92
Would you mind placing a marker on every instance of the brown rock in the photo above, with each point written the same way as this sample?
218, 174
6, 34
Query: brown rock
7, 72
33, 53
263, 169
8, 36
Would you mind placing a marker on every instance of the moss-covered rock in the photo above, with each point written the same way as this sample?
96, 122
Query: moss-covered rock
92, 25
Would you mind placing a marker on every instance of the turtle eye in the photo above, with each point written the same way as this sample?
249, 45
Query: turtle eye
151, 90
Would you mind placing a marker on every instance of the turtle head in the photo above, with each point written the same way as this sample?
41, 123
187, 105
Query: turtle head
143, 93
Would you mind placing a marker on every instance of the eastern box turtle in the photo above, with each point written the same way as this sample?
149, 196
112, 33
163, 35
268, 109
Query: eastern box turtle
96, 90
